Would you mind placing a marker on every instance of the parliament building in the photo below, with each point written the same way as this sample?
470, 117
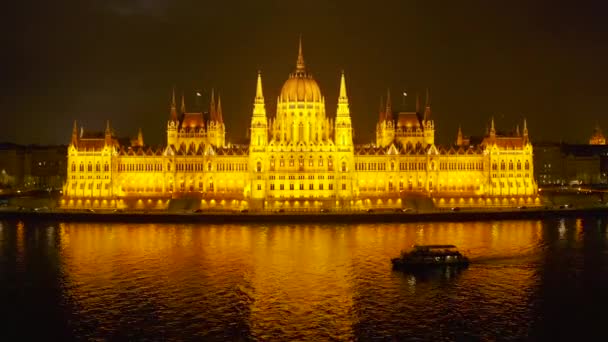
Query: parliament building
300, 159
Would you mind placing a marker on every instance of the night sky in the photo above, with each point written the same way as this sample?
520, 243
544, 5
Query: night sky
94, 60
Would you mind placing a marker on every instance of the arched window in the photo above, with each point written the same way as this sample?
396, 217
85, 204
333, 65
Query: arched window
518, 165
502, 165
258, 167
90, 167
527, 165
494, 166
81, 167
392, 166
343, 166
106, 167
73, 167
510, 165
97, 167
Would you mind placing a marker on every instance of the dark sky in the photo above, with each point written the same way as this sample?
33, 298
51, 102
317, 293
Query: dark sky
94, 60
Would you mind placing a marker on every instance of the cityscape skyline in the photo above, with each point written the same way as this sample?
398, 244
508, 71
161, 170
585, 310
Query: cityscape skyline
120, 61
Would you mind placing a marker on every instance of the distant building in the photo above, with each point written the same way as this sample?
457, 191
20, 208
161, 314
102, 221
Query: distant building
32, 166
565, 164
598, 137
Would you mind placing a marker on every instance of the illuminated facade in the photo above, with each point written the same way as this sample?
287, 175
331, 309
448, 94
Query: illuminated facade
300, 159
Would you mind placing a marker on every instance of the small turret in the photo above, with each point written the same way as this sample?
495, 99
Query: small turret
388, 115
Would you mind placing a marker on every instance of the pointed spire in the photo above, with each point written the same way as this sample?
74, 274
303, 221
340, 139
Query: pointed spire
74, 140
140, 138
492, 129
212, 109
108, 134
525, 129
183, 108
219, 109
381, 110
343, 109
343, 97
259, 95
517, 131
459, 137
259, 108
300, 66
427, 106
173, 107
388, 114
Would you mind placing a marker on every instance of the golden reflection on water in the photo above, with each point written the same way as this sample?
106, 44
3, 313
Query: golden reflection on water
307, 276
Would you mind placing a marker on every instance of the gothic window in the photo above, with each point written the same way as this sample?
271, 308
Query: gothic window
502, 165
321, 186
90, 167
392, 166
301, 186
510, 165
291, 162
527, 165
310, 162
343, 186
343, 166
320, 161
272, 186
73, 167
106, 167
494, 166
311, 187
258, 167
97, 167
518, 165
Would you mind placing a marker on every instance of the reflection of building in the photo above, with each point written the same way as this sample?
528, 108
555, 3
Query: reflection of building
32, 166
301, 158
563, 164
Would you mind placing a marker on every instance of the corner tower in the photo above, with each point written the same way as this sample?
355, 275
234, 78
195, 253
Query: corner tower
257, 145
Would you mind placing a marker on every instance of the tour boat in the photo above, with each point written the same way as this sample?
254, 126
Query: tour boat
430, 256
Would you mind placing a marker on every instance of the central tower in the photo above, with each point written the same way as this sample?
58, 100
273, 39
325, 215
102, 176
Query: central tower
301, 117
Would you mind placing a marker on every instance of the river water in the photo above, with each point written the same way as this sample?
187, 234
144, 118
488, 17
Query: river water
529, 280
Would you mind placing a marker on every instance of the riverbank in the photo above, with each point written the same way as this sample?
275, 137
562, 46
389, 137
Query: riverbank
329, 217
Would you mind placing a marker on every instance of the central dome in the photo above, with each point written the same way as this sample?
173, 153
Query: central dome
300, 86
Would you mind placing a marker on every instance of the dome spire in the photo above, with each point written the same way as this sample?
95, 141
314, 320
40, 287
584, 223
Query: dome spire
300, 66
